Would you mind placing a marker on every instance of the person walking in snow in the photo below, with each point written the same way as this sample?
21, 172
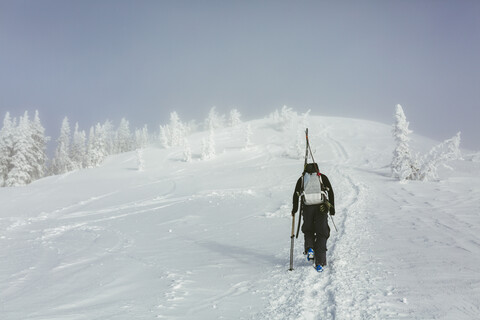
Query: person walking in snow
317, 201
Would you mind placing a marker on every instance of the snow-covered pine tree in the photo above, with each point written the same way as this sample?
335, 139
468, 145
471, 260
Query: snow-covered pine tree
141, 137
98, 147
61, 162
39, 148
234, 119
211, 144
284, 119
164, 133
298, 152
22, 160
140, 160
78, 150
214, 120
7, 135
248, 137
187, 151
90, 142
305, 117
446, 151
177, 132
108, 133
123, 137
403, 166
204, 155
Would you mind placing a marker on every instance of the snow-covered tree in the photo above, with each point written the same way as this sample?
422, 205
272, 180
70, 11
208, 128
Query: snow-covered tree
22, 159
187, 151
284, 119
403, 164
234, 119
97, 151
446, 151
211, 144
297, 150
108, 136
61, 162
7, 136
78, 150
22, 150
214, 120
173, 134
305, 117
140, 160
39, 147
141, 137
208, 146
204, 155
176, 130
123, 137
90, 142
164, 133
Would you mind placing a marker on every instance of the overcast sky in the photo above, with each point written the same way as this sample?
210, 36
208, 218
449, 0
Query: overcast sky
98, 60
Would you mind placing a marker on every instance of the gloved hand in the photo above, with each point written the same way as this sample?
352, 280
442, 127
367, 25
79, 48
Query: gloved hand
332, 211
293, 213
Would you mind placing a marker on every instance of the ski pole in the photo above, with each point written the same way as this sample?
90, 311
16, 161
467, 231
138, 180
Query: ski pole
333, 222
292, 239
299, 219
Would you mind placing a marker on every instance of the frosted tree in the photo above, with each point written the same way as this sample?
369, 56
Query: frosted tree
204, 155
446, 151
61, 162
90, 147
39, 147
208, 146
298, 152
22, 163
211, 144
248, 137
140, 160
284, 119
78, 150
164, 133
234, 119
187, 151
108, 138
123, 137
403, 166
7, 135
305, 117
97, 146
176, 130
214, 120
141, 137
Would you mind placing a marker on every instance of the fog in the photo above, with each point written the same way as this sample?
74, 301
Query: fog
98, 60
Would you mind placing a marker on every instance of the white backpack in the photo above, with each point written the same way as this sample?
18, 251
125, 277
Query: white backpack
313, 191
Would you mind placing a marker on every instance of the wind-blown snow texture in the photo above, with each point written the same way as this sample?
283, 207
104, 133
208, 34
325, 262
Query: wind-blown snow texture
210, 239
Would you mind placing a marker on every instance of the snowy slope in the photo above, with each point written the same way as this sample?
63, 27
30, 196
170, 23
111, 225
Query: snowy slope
211, 239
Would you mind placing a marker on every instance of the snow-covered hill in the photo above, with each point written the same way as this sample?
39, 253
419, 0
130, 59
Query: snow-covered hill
210, 239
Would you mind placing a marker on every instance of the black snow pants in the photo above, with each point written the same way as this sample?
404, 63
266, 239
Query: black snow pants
316, 231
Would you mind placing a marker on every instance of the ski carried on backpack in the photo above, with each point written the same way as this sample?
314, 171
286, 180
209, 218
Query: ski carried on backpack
324, 203
307, 146
292, 237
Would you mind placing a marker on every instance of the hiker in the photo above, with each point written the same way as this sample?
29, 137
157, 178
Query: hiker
317, 197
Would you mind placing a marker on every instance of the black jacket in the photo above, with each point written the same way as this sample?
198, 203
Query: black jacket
326, 184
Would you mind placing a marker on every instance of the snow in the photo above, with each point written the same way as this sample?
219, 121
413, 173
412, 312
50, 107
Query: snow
210, 239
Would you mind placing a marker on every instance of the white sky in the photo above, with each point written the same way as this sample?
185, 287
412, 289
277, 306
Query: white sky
98, 60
